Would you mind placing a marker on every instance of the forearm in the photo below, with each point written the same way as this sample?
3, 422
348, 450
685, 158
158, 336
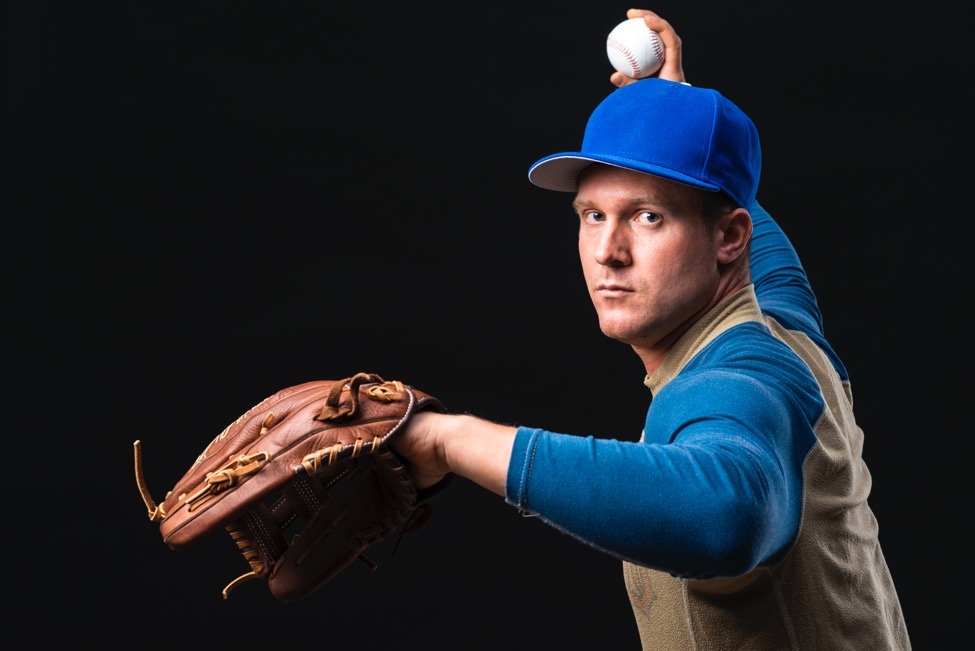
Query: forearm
477, 449
437, 444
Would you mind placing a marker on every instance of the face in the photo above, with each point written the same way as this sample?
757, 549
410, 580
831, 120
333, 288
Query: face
651, 266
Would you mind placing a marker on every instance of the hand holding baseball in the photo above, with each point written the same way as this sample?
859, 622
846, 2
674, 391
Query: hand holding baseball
644, 45
634, 49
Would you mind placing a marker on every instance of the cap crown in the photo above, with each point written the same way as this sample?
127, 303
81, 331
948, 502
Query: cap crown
683, 133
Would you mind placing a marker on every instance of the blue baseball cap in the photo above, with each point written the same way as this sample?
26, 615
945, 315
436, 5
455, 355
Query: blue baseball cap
687, 134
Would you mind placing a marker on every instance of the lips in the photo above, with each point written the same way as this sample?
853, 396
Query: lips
612, 289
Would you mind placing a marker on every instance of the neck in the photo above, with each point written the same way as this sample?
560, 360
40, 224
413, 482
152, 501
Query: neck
653, 356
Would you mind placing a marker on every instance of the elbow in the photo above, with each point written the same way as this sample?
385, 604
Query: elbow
736, 541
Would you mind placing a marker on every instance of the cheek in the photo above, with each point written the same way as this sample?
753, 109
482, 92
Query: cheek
683, 260
587, 255
698, 265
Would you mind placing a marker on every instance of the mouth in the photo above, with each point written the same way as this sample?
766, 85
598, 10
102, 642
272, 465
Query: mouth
612, 290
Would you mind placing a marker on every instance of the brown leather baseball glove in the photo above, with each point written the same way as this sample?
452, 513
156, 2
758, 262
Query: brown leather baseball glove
304, 482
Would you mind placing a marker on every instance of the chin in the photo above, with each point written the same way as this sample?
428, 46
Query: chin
627, 330
619, 333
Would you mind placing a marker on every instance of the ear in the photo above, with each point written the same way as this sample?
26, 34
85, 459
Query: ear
734, 231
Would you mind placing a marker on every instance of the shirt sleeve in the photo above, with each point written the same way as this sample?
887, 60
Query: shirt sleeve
714, 489
782, 286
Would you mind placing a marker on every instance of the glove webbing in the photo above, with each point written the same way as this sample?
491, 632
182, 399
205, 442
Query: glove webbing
260, 534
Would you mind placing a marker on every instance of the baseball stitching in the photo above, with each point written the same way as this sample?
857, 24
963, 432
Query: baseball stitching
630, 58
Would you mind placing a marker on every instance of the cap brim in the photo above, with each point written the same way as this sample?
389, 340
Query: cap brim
560, 172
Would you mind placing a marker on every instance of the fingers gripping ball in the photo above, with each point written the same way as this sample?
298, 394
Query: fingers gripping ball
304, 482
634, 49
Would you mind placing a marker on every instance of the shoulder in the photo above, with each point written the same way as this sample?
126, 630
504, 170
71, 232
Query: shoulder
746, 378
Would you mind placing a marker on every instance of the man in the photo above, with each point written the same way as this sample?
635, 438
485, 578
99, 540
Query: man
741, 516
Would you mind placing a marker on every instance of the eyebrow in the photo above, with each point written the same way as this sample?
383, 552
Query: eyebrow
654, 200
578, 205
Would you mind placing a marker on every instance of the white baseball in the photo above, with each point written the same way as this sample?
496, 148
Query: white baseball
634, 49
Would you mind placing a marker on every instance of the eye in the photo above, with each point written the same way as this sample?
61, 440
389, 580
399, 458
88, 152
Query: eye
593, 217
648, 217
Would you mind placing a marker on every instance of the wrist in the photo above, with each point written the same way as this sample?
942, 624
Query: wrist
476, 449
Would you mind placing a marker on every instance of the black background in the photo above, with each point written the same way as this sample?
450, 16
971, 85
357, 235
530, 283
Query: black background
211, 201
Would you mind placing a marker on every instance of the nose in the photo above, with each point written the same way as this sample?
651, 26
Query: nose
612, 245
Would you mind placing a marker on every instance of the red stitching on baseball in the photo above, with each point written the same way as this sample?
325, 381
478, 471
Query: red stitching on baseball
655, 41
630, 59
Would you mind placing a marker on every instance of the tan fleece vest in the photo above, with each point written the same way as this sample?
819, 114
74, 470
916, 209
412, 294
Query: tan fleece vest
832, 590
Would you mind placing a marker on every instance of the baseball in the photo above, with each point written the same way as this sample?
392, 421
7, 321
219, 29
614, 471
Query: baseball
634, 49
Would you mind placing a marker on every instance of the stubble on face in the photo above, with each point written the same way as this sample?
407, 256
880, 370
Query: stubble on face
649, 262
